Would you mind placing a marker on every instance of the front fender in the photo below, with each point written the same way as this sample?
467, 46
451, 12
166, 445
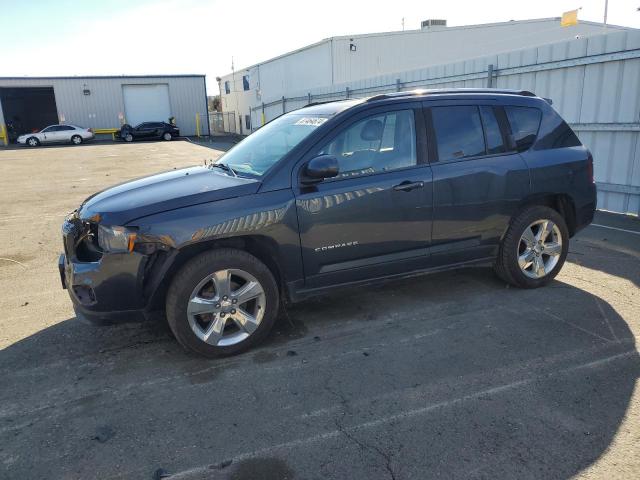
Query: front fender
269, 214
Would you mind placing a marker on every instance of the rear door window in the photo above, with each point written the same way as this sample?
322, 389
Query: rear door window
492, 133
524, 122
458, 131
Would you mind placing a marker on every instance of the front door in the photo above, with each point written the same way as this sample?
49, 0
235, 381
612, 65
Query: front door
478, 182
374, 219
48, 135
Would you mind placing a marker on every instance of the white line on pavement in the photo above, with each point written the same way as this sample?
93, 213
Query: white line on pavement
615, 228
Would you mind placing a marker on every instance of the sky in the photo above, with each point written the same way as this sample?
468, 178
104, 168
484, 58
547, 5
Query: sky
139, 37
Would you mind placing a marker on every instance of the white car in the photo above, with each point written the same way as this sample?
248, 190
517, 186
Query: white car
57, 134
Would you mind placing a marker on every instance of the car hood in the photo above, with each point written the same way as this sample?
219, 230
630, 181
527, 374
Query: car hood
128, 201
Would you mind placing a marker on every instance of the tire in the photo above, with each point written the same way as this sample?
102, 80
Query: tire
522, 260
166, 136
195, 278
128, 137
76, 139
32, 142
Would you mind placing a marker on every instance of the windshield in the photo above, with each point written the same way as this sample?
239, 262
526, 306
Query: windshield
263, 148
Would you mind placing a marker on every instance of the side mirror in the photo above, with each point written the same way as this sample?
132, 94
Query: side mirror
319, 168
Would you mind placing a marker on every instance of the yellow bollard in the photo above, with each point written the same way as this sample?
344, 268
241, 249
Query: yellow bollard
198, 125
3, 135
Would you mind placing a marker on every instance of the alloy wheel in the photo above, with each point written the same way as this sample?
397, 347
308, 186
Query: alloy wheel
539, 248
226, 307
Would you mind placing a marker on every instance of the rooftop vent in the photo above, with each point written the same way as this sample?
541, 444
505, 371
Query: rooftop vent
433, 23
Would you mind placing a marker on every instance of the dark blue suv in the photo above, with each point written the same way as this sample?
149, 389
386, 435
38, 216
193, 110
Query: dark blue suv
334, 194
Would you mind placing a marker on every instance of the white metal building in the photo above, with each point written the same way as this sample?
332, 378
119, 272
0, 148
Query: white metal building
593, 77
340, 60
104, 102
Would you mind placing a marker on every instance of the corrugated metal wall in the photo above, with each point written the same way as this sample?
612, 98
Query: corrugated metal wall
378, 54
594, 83
101, 109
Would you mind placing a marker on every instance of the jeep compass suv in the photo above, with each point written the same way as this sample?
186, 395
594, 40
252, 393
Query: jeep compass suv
334, 194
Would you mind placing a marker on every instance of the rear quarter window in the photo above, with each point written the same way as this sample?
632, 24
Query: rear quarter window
525, 122
557, 135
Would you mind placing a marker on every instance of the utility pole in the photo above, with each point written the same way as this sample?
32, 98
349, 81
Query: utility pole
403, 24
606, 8
234, 90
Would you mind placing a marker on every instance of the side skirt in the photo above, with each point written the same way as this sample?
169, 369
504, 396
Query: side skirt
297, 294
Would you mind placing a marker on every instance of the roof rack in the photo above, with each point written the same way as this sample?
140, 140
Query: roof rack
441, 91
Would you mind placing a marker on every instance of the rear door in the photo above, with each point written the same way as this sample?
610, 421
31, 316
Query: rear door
478, 183
374, 219
64, 133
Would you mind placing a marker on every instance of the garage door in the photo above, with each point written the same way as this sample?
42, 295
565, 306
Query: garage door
146, 103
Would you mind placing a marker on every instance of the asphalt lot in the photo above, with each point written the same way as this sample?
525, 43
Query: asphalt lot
451, 375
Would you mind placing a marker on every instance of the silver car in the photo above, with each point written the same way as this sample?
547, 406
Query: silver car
57, 134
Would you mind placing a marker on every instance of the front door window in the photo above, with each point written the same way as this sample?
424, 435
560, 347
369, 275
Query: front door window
376, 144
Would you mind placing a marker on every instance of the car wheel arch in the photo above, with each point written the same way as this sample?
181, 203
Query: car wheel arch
560, 202
261, 247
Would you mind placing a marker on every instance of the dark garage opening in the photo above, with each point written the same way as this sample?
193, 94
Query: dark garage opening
28, 109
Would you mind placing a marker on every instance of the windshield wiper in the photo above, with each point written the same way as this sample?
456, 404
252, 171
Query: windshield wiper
225, 167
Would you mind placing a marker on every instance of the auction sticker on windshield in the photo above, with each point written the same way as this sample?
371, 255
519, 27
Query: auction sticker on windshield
312, 121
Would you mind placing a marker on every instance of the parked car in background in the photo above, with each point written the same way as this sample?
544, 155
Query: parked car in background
334, 194
148, 131
57, 134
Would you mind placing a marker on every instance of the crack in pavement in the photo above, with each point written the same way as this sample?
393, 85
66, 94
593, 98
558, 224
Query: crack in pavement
364, 446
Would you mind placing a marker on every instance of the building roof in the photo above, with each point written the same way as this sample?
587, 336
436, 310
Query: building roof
80, 77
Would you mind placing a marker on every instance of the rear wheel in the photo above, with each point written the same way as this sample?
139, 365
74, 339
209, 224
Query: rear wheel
76, 139
33, 142
222, 302
534, 248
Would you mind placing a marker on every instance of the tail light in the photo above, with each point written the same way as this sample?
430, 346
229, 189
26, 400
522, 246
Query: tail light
90, 130
590, 168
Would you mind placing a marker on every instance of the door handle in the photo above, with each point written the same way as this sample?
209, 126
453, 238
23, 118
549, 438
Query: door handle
407, 186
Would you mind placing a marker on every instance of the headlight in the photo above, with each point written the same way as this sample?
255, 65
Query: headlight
116, 239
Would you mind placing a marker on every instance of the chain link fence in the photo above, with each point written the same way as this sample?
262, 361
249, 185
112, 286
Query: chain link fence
222, 123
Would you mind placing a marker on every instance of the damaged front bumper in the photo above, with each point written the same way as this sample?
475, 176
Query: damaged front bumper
104, 289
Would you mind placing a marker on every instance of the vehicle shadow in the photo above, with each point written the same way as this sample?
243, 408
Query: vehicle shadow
558, 377
615, 253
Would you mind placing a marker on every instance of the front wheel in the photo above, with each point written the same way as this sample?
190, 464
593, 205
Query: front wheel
128, 137
33, 142
167, 136
534, 248
222, 302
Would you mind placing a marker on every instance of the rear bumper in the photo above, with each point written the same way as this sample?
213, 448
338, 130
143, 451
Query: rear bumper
104, 292
586, 211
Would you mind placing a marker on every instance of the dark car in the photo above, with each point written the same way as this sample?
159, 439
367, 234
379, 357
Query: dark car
331, 195
148, 131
